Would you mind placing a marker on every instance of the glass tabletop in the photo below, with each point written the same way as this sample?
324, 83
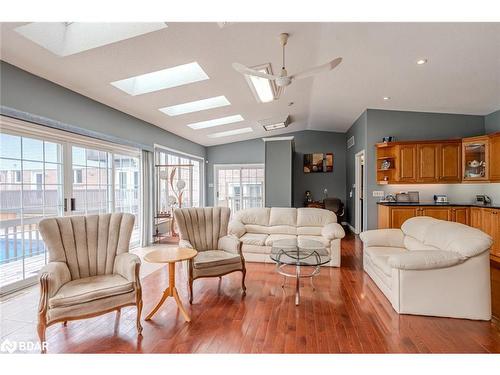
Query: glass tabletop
303, 252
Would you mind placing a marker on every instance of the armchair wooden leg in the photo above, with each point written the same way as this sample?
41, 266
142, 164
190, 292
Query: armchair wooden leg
138, 299
65, 323
190, 281
41, 328
243, 286
42, 311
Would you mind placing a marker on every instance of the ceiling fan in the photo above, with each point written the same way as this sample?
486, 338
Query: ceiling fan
284, 79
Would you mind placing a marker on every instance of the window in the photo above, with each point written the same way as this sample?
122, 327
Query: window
103, 178
239, 186
191, 174
77, 176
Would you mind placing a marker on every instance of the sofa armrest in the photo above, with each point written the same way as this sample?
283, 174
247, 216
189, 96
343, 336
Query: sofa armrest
125, 264
236, 228
230, 244
383, 237
333, 231
57, 274
424, 259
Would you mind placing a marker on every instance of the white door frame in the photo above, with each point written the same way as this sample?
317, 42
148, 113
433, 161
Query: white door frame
357, 192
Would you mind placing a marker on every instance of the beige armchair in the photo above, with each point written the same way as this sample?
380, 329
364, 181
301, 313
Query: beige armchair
205, 229
90, 271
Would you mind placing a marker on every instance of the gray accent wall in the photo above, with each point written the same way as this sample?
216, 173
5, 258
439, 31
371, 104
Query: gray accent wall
278, 173
23, 92
409, 126
312, 141
358, 130
244, 152
492, 122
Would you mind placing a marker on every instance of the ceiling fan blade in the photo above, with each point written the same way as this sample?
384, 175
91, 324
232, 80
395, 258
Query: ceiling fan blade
279, 91
318, 69
252, 72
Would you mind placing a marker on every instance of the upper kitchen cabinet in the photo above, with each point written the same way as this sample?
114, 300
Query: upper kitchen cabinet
494, 159
450, 162
427, 162
475, 156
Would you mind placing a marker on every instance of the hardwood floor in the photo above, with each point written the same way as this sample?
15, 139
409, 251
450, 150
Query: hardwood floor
346, 314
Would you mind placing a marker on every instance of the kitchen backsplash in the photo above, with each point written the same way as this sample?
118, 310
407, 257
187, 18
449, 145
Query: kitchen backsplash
456, 192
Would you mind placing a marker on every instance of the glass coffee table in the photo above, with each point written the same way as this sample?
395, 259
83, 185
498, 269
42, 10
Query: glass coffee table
305, 259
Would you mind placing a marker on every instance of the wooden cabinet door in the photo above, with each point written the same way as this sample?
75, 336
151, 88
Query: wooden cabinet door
407, 166
491, 225
476, 218
427, 163
450, 162
460, 215
400, 214
441, 213
494, 157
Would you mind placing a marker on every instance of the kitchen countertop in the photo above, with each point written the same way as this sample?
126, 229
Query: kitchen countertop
432, 203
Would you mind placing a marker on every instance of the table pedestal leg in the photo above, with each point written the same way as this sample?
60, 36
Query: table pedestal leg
297, 285
171, 291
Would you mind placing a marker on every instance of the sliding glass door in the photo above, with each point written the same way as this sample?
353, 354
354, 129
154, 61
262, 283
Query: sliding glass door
48, 174
239, 186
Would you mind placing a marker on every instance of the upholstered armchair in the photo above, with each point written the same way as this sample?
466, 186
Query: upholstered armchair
90, 271
205, 229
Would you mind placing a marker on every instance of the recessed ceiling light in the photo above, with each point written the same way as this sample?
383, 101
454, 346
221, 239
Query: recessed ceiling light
387, 98
162, 79
198, 105
421, 61
230, 132
263, 89
216, 122
68, 38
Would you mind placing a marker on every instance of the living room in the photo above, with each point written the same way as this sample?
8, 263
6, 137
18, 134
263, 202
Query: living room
281, 187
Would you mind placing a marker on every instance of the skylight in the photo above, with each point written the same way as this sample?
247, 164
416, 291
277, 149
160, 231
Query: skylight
198, 105
68, 38
216, 122
262, 88
230, 132
162, 79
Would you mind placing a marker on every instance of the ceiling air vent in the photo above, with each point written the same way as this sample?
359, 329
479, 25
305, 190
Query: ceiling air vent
275, 123
350, 142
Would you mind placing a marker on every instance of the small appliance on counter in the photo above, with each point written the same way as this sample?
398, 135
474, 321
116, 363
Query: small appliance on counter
389, 198
407, 197
483, 199
440, 198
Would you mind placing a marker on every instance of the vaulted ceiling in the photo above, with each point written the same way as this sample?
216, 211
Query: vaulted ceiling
462, 74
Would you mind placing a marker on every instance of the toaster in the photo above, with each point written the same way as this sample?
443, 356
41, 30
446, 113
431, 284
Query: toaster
441, 198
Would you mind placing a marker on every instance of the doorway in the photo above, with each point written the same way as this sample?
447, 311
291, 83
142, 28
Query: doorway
359, 191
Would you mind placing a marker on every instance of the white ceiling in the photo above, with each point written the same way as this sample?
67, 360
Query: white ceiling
462, 74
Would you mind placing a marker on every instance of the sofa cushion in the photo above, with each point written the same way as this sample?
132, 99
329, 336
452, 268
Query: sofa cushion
448, 236
282, 229
255, 249
414, 244
379, 256
89, 289
309, 231
254, 239
314, 217
283, 216
277, 237
257, 216
254, 228
213, 258
303, 240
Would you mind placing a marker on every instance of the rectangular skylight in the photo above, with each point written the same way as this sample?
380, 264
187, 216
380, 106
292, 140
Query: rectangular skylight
216, 122
262, 88
68, 38
162, 79
198, 105
230, 132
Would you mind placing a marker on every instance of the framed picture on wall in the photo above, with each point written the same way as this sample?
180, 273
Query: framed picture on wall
318, 162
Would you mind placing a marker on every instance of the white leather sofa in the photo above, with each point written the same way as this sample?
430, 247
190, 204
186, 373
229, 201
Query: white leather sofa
258, 228
431, 267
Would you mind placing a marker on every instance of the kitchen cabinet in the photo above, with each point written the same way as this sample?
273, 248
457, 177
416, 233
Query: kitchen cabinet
394, 216
494, 157
491, 225
450, 162
460, 215
407, 166
427, 162
441, 213
475, 155
476, 217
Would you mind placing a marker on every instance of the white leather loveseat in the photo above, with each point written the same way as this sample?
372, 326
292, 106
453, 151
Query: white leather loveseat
258, 228
431, 267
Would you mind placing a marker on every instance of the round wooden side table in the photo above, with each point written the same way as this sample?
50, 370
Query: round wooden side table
170, 255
